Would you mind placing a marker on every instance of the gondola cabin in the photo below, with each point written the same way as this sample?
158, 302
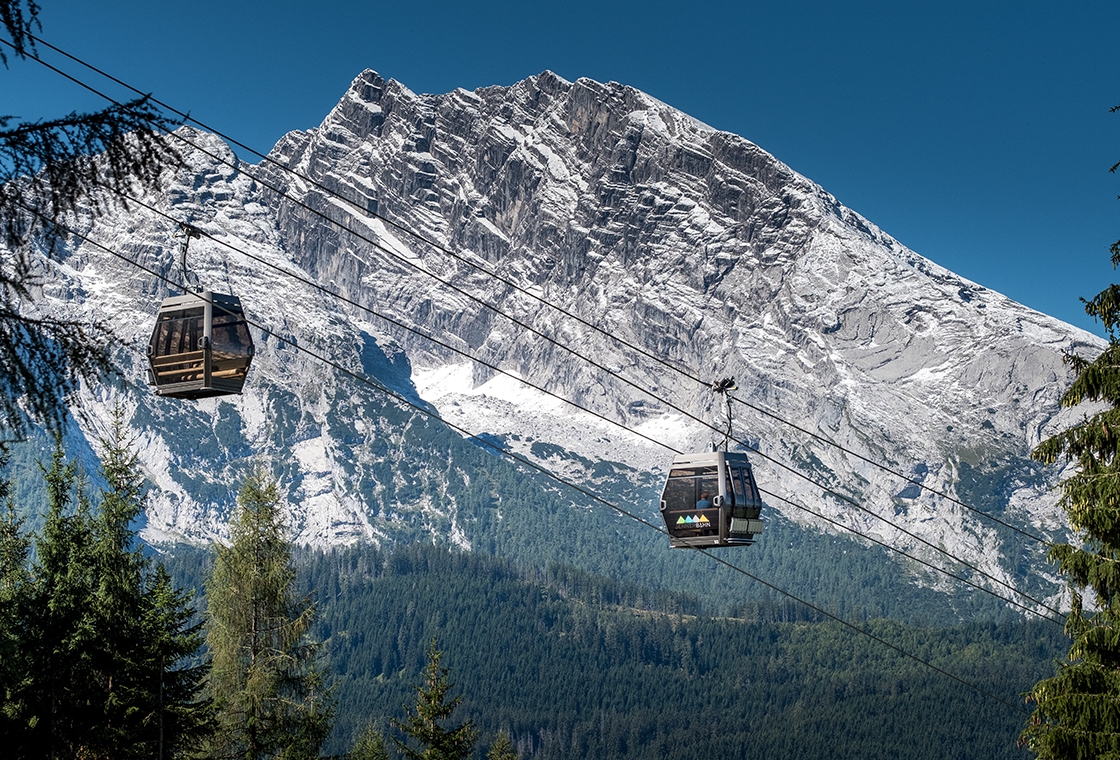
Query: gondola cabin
710, 500
200, 347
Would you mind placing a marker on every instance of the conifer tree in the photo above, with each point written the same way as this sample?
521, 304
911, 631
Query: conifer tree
14, 548
502, 747
149, 690
1077, 711
55, 698
432, 708
369, 746
96, 640
267, 688
49, 171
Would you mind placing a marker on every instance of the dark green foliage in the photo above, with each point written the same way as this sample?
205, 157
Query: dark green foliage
97, 642
508, 512
1077, 712
424, 725
144, 620
369, 746
49, 699
573, 665
267, 687
14, 549
502, 748
576, 665
50, 173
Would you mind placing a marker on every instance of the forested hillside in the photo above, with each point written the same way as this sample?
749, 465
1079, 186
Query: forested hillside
534, 526
575, 665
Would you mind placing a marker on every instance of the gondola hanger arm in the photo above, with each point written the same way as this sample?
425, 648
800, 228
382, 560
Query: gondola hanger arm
186, 232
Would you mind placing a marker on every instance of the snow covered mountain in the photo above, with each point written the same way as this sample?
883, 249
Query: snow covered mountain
487, 220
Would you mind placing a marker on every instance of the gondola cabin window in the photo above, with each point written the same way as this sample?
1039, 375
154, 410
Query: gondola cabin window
686, 484
200, 346
690, 495
711, 499
231, 346
178, 344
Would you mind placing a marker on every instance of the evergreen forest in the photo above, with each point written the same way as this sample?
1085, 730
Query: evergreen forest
547, 660
575, 665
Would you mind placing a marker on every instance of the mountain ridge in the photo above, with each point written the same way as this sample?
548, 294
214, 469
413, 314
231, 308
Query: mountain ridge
693, 244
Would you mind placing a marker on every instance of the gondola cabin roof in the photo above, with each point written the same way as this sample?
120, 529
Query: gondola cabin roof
200, 346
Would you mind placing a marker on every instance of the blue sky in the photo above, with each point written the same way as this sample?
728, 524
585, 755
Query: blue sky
976, 133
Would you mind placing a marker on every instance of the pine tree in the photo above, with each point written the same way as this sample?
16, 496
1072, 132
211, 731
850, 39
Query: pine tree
266, 686
14, 549
433, 707
149, 687
1077, 711
502, 748
369, 746
97, 641
49, 171
57, 693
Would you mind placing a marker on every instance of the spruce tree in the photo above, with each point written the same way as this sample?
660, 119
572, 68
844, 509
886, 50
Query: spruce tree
502, 748
149, 685
97, 641
14, 549
267, 688
432, 708
1077, 711
369, 746
57, 695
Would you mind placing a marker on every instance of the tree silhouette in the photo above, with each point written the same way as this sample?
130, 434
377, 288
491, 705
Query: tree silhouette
432, 708
50, 172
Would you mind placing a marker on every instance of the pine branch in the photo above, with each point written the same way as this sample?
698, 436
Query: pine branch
50, 172
19, 21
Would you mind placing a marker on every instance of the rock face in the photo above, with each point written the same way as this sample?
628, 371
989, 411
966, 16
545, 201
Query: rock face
540, 226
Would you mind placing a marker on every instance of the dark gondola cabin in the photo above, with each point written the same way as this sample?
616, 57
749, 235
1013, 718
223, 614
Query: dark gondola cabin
200, 347
711, 499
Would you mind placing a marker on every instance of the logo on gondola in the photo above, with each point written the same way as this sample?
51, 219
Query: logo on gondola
690, 520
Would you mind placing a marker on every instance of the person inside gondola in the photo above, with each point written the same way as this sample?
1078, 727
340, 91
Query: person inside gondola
704, 503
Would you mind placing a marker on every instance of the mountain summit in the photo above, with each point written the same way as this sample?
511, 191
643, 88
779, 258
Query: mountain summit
603, 247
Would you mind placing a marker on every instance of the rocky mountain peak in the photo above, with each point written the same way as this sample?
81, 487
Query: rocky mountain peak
488, 220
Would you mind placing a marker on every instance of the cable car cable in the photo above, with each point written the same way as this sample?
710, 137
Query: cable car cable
1060, 620
365, 379
789, 468
725, 385
870, 635
364, 210
396, 225
899, 475
397, 323
591, 362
